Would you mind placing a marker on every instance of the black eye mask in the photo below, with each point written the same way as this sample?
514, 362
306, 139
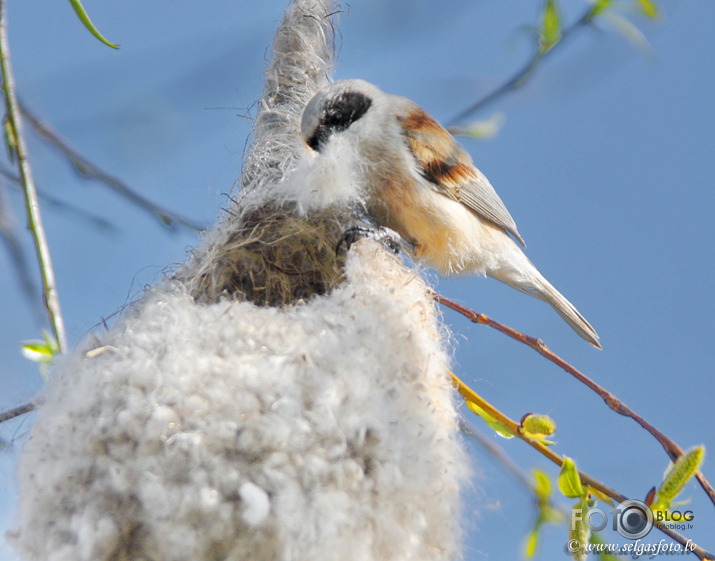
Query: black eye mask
338, 114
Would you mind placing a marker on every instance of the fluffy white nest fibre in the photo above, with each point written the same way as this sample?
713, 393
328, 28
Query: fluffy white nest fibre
271, 401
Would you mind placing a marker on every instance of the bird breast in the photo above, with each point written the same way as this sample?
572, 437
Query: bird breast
447, 235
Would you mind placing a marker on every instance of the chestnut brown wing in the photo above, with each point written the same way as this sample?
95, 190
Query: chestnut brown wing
450, 170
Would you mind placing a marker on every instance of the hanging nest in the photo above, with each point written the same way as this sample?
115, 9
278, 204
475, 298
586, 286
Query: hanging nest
272, 257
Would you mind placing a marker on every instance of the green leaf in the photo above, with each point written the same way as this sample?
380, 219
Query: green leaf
36, 351
537, 426
596, 494
40, 351
546, 512
569, 479
600, 6
682, 471
84, 18
483, 129
501, 429
542, 488
532, 542
550, 26
629, 31
647, 8
550, 514
579, 532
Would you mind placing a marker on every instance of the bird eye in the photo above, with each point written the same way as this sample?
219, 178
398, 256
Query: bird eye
339, 114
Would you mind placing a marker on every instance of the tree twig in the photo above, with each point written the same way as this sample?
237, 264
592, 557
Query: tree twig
63, 206
527, 71
14, 125
16, 411
89, 170
671, 448
498, 454
513, 427
17, 256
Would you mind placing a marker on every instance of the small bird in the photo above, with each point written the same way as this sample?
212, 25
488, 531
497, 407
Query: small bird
418, 181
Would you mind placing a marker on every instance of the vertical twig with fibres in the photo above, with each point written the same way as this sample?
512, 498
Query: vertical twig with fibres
16, 140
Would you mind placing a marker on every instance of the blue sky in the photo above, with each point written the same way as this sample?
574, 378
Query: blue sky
605, 160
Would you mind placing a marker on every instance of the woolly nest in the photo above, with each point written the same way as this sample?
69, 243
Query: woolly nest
273, 257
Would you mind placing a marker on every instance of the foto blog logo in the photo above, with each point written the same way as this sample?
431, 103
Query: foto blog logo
632, 519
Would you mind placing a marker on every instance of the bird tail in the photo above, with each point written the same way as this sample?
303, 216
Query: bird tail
545, 291
528, 279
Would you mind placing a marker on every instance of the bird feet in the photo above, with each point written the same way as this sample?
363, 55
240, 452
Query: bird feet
389, 239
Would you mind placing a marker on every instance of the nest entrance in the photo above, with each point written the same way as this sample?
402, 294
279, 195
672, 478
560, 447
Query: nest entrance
274, 257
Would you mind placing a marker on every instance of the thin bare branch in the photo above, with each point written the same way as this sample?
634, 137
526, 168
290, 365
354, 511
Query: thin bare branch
14, 125
89, 170
17, 256
498, 454
16, 411
527, 71
63, 206
671, 448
